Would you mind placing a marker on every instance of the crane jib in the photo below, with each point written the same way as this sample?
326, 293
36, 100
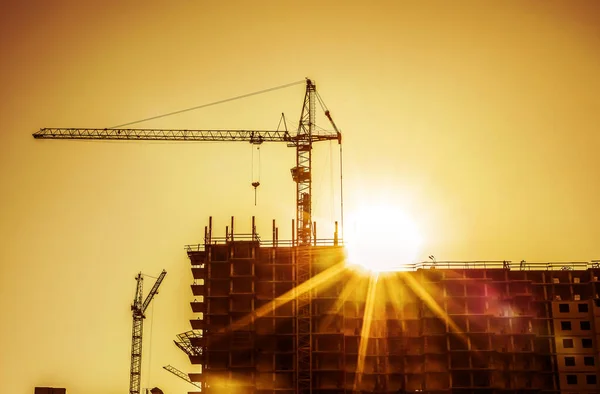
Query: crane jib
252, 136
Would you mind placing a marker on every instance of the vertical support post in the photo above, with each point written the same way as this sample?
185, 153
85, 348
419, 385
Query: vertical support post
232, 229
273, 232
205, 235
276, 236
226, 233
315, 233
293, 232
253, 228
335, 235
210, 229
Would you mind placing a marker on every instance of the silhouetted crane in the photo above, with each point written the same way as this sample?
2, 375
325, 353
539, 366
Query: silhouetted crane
303, 140
139, 308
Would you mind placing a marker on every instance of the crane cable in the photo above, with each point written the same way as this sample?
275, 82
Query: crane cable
331, 187
287, 85
255, 183
321, 102
341, 193
326, 110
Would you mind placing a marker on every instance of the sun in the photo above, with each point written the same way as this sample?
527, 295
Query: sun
382, 238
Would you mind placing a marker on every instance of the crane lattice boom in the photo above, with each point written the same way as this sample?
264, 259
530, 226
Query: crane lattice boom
252, 136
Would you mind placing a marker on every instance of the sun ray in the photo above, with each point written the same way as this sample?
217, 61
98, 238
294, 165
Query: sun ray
428, 299
394, 294
366, 327
317, 280
382, 238
339, 303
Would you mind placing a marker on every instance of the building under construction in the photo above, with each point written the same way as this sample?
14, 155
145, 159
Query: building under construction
476, 327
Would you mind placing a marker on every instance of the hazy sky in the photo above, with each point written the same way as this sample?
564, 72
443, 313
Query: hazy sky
478, 119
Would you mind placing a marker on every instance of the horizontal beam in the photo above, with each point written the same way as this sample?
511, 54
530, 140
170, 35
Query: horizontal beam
252, 136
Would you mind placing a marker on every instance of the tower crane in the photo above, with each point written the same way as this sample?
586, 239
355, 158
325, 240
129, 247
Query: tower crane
138, 308
302, 141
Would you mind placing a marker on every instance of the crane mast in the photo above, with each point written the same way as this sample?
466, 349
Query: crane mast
302, 174
138, 307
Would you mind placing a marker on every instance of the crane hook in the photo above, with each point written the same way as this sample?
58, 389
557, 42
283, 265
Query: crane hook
255, 185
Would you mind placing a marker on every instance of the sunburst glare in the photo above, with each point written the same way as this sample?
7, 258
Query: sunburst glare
382, 238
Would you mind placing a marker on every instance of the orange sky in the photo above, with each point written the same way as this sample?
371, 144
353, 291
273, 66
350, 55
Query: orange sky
480, 122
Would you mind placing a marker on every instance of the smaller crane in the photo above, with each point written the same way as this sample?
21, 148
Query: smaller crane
138, 308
